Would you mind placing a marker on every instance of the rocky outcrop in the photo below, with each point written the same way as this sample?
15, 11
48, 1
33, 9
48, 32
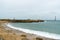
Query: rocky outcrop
23, 21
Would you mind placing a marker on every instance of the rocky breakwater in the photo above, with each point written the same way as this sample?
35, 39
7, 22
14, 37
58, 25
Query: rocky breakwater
23, 21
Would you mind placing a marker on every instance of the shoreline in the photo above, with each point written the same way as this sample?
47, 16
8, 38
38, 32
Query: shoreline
42, 34
10, 33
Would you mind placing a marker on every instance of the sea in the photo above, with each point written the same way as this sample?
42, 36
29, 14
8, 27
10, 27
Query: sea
49, 28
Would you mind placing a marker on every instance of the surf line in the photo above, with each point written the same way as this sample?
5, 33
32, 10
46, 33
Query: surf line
38, 33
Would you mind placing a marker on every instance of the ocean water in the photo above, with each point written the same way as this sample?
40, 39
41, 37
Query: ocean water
49, 29
48, 26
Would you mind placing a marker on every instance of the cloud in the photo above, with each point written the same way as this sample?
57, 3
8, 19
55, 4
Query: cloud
30, 8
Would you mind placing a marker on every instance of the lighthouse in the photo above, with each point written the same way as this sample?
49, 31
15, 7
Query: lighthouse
55, 18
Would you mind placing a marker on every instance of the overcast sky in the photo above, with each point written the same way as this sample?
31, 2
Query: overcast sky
30, 9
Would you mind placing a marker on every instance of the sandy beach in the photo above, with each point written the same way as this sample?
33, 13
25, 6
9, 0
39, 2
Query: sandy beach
7, 33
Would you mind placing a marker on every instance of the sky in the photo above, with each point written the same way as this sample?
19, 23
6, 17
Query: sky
30, 9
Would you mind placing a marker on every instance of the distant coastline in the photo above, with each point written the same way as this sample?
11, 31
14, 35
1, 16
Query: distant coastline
22, 21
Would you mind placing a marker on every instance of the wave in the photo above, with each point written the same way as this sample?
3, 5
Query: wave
38, 33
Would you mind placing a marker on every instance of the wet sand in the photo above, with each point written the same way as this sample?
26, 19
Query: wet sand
7, 33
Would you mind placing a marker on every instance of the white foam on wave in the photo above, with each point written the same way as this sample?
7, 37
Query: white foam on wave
39, 33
